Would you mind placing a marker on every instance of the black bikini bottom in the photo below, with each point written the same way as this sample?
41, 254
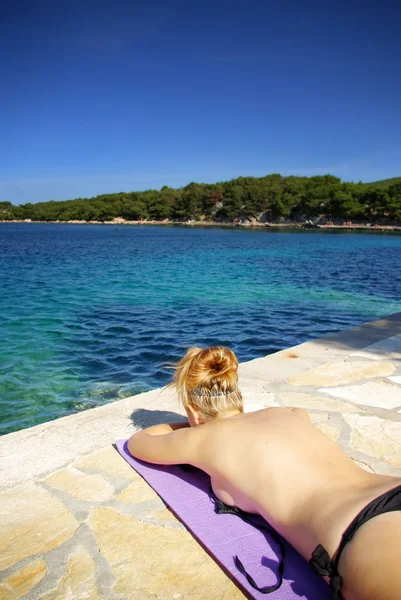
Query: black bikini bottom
320, 561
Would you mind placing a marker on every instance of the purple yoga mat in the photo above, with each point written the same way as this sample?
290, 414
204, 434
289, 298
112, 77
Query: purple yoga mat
186, 493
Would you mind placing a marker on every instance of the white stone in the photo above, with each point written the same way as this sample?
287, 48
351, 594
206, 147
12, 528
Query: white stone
396, 379
380, 394
332, 432
265, 400
249, 407
318, 417
255, 393
310, 402
376, 437
343, 373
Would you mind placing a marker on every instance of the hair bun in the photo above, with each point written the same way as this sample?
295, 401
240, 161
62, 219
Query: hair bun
207, 378
220, 361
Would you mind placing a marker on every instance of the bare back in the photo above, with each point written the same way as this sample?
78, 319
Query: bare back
276, 463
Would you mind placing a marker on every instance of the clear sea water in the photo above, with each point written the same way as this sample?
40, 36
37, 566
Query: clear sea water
91, 313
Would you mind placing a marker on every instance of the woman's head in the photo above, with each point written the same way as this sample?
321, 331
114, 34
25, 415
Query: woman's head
206, 380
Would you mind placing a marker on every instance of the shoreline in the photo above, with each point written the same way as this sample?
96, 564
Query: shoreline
304, 225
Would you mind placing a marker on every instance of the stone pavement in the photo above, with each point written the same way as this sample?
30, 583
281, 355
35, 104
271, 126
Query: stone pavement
76, 522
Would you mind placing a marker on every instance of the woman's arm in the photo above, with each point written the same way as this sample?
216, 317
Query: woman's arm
164, 444
163, 428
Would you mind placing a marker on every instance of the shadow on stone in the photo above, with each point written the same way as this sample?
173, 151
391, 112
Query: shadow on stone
364, 335
143, 417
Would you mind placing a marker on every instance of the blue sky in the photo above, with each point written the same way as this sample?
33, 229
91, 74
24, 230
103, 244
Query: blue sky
129, 95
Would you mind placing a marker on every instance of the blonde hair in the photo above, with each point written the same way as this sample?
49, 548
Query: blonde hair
207, 379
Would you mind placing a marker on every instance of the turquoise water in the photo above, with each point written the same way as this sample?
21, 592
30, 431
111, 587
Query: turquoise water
91, 313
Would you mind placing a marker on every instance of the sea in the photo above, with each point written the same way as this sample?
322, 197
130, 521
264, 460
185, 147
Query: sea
90, 314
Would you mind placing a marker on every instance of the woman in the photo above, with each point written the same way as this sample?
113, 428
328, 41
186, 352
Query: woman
345, 521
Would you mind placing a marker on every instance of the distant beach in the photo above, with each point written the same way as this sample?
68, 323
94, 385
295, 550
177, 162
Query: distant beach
346, 226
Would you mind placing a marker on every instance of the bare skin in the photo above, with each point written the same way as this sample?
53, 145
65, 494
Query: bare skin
275, 463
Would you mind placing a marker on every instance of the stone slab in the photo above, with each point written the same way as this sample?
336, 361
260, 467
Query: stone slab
91, 488
332, 432
343, 372
376, 437
78, 582
137, 492
107, 460
380, 394
185, 570
23, 580
312, 402
32, 522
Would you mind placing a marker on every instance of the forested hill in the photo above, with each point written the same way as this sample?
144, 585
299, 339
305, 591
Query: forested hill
271, 198
383, 183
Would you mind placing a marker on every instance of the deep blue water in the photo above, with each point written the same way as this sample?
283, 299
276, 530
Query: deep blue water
92, 313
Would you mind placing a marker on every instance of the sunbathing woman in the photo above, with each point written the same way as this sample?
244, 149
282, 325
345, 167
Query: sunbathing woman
345, 521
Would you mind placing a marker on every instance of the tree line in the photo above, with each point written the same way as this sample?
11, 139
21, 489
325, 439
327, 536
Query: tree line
271, 198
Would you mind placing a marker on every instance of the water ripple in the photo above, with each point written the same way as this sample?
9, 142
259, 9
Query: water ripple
91, 314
